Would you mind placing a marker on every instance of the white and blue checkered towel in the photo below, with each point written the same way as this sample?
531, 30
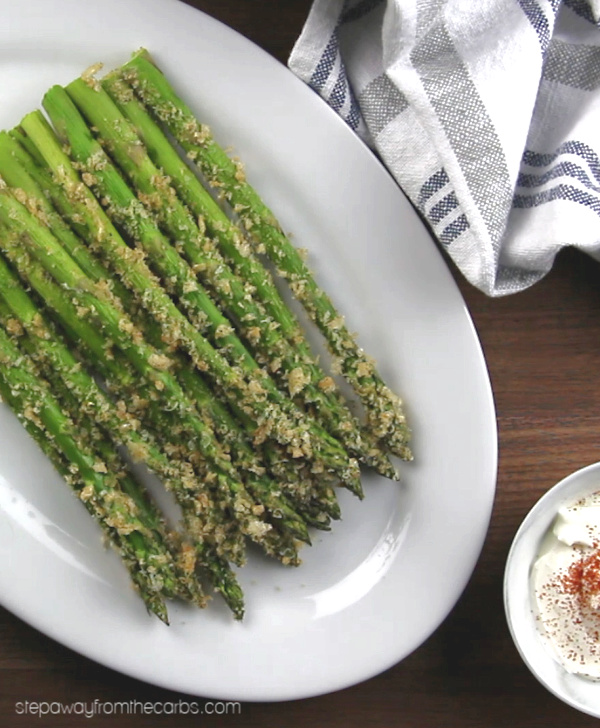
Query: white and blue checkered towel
487, 113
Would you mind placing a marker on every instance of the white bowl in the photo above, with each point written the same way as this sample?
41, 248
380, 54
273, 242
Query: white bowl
579, 692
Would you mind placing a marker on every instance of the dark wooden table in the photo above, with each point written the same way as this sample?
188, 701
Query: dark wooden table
543, 352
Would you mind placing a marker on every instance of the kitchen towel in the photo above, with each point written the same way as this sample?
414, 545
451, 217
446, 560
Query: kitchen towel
486, 112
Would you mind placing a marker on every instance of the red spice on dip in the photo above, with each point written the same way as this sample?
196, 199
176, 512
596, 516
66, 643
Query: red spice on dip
565, 581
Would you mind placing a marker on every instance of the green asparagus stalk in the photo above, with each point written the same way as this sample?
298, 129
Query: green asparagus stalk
123, 205
114, 418
275, 495
10, 153
109, 186
86, 292
293, 361
212, 554
148, 558
135, 299
92, 436
384, 408
82, 331
98, 304
305, 486
135, 274
35, 188
236, 430
94, 402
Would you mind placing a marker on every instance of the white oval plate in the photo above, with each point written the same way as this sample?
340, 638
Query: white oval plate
376, 587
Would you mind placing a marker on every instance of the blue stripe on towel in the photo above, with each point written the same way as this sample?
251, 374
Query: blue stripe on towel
339, 92
565, 192
432, 185
454, 229
579, 149
562, 169
442, 208
326, 63
328, 58
538, 21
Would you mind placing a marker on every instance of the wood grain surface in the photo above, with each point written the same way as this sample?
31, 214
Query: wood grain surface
543, 352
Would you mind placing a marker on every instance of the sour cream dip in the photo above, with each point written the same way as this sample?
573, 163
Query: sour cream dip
565, 583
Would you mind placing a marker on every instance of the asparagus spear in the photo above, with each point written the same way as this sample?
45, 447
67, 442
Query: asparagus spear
136, 275
211, 554
236, 430
94, 402
123, 429
279, 495
10, 153
97, 303
293, 361
35, 188
100, 298
214, 525
149, 560
51, 189
93, 437
109, 186
385, 414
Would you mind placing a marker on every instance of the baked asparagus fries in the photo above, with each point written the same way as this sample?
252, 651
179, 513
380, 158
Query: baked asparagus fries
142, 319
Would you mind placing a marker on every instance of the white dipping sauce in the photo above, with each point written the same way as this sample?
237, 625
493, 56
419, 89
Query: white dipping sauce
565, 581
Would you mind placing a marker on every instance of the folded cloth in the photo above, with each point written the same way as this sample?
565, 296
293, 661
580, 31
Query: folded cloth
487, 114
